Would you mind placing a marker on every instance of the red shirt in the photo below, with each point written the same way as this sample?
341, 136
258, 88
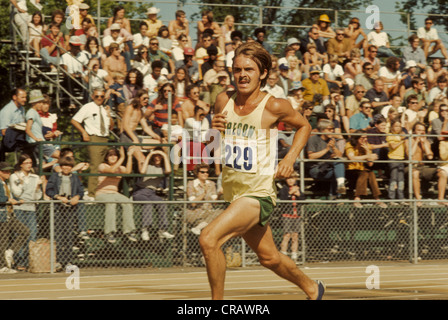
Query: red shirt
47, 42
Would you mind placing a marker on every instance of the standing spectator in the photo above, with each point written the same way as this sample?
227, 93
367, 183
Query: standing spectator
360, 173
397, 151
94, 123
108, 191
179, 47
21, 19
431, 42
291, 216
323, 146
378, 143
26, 188
380, 39
153, 23
67, 188
9, 223
34, 126
49, 122
155, 166
12, 114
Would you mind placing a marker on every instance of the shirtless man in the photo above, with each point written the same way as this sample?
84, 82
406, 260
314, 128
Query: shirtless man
244, 115
436, 70
192, 92
421, 150
179, 26
132, 117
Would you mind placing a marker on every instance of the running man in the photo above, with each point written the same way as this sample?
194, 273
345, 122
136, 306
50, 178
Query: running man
249, 185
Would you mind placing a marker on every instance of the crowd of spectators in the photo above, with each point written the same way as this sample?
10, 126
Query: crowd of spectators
350, 85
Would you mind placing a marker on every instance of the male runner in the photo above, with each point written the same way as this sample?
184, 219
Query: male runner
248, 181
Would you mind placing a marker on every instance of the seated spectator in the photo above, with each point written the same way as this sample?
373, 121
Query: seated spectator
308, 114
283, 79
295, 95
272, 86
334, 73
352, 68
362, 119
418, 89
420, 151
156, 165
201, 54
222, 83
141, 39
391, 76
180, 27
34, 127
178, 50
107, 191
366, 78
415, 53
315, 85
36, 29
330, 113
181, 81
236, 37
49, 124
340, 112
295, 68
92, 49
153, 23
201, 189
207, 23
439, 127
340, 46
52, 45
409, 74
380, 39
438, 92
57, 17
141, 61
119, 15
211, 63
95, 77
291, 215
67, 188
360, 173
431, 42
158, 55
397, 152
116, 99
285, 139
227, 28
354, 31
191, 65
114, 36
324, 147
133, 118
197, 126
115, 62
370, 55
193, 100
432, 73
312, 37
378, 143
260, 37
84, 14
26, 188
326, 32
87, 30
159, 107
152, 80
312, 58
413, 114
353, 102
377, 96
13, 114
165, 43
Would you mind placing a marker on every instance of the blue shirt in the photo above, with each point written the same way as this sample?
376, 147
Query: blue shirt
10, 114
359, 121
36, 127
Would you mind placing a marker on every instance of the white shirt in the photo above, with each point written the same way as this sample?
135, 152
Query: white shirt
386, 73
276, 91
432, 34
108, 40
338, 71
378, 39
139, 39
98, 80
89, 114
74, 65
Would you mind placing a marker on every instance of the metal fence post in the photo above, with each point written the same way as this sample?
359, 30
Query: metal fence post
52, 257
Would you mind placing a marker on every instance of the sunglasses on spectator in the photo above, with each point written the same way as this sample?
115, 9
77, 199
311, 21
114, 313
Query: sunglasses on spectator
360, 92
166, 90
97, 96
413, 102
443, 110
154, 43
205, 172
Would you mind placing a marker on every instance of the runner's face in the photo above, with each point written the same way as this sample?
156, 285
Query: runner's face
247, 75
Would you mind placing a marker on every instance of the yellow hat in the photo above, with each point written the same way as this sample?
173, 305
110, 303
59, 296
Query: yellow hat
324, 18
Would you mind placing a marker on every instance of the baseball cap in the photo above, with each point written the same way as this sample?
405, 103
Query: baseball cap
115, 26
4, 166
75, 40
283, 67
315, 69
189, 51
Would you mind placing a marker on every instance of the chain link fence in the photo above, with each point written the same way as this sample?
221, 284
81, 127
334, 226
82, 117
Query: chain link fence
326, 231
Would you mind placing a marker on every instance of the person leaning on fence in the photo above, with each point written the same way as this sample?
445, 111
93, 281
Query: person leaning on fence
9, 223
291, 215
201, 189
420, 151
108, 192
324, 147
25, 186
157, 163
67, 188
360, 172
94, 122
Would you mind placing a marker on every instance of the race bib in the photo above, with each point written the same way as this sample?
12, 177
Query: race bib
241, 154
